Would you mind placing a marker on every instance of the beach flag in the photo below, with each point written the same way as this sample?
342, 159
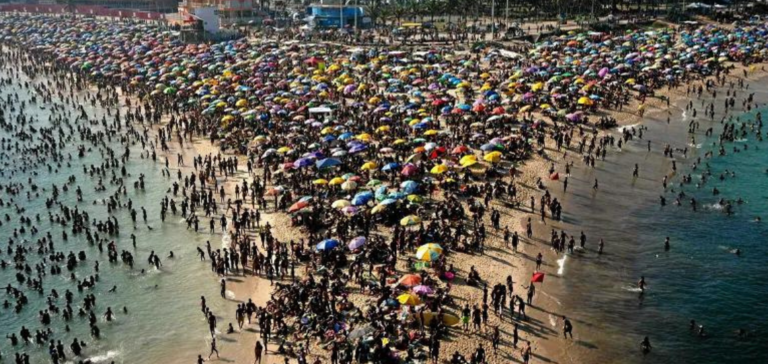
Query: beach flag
537, 277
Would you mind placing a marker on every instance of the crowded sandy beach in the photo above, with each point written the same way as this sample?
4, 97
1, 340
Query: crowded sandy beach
359, 203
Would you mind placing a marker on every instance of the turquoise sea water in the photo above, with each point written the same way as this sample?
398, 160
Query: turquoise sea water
164, 323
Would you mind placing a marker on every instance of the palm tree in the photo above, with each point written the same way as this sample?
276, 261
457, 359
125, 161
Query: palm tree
399, 12
434, 7
415, 8
451, 6
376, 9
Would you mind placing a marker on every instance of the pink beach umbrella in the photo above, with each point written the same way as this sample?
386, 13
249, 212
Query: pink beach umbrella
409, 170
423, 290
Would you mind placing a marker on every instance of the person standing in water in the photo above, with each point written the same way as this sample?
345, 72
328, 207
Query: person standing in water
645, 345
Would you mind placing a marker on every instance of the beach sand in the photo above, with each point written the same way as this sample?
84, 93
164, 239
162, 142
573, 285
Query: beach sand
543, 329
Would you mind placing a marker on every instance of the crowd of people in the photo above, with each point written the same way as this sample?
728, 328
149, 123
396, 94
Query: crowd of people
386, 161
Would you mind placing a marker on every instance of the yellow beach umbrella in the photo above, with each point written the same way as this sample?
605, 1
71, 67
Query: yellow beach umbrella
284, 150
429, 252
369, 166
336, 181
415, 199
493, 157
378, 208
439, 169
409, 299
260, 139
320, 182
364, 137
340, 204
468, 160
410, 220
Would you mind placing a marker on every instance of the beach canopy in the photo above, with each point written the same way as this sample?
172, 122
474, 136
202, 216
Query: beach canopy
409, 299
426, 317
422, 290
410, 280
429, 252
320, 110
327, 244
356, 243
327, 163
410, 220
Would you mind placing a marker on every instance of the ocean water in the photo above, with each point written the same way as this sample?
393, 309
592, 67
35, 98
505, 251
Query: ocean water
699, 278
164, 323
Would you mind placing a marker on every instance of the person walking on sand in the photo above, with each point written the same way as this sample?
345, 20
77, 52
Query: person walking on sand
526, 353
531, 292
465, 312
594, 187
213, 349
515, 335
567, 328
434, 350
257, 351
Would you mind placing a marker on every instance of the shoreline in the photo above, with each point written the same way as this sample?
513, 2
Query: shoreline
494, 264
546, 343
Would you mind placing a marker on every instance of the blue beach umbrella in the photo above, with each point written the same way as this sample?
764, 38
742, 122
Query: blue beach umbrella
302, 163
362, 198
409, 186
327, 163
390, 166
327, 244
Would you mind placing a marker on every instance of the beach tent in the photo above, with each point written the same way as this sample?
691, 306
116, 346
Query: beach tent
320, 110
